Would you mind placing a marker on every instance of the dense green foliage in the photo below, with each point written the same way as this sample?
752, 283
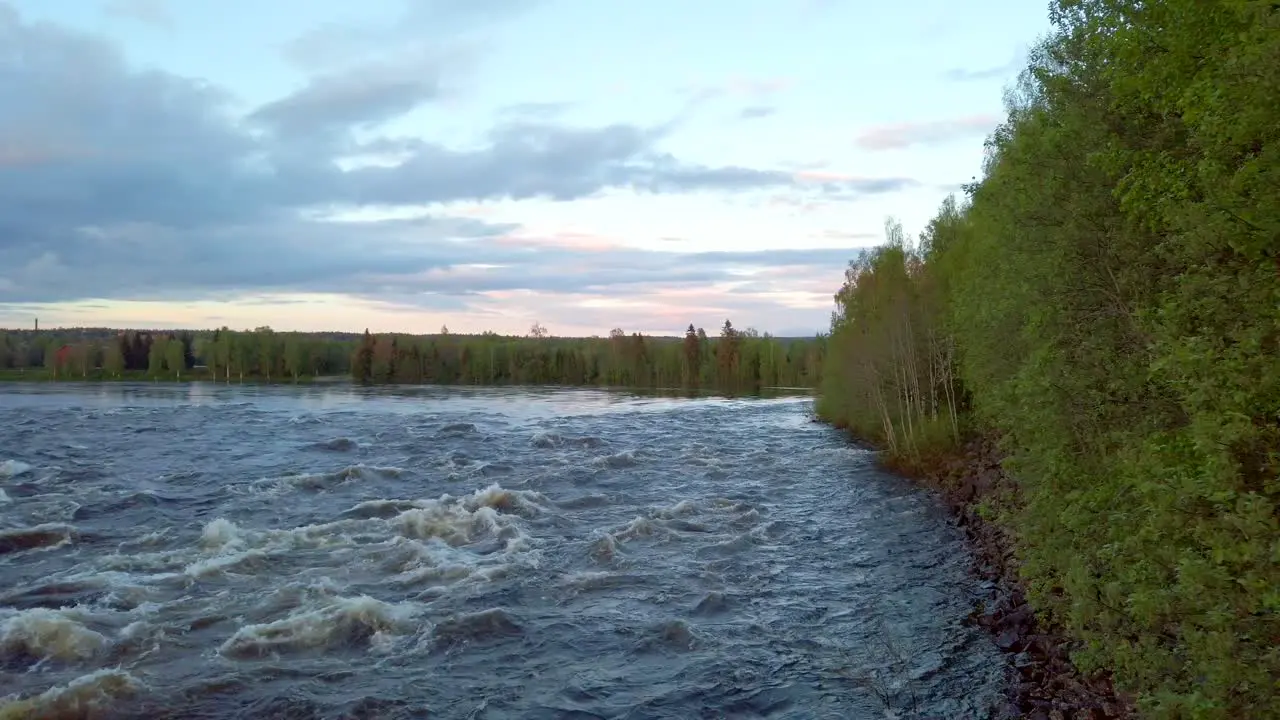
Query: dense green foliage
102, 354
733, 361
1107, 301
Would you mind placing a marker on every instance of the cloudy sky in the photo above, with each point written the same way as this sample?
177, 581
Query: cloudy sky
403, 164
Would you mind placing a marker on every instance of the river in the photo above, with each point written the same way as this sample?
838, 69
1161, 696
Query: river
213, 551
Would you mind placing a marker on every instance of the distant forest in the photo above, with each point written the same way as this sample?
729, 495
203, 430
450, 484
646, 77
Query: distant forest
732, 360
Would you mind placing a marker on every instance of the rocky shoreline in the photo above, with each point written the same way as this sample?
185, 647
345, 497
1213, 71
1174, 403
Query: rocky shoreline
1044, 684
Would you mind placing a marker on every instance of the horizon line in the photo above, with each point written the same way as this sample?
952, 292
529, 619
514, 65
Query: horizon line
482, 333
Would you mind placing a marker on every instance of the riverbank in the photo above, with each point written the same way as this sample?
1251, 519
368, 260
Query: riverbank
136, 376
98, 377
1044, 684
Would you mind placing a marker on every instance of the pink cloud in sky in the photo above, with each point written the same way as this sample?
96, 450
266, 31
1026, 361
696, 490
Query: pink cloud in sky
569, 240
823, 176
896, 136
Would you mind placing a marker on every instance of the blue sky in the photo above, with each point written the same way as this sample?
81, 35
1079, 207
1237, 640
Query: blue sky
485, 164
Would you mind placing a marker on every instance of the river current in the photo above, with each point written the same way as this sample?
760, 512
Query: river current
207, 551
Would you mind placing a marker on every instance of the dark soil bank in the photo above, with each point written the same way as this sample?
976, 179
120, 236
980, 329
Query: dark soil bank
1045, 685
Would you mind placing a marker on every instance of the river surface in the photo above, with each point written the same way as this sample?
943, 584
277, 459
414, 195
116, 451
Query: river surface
207, 551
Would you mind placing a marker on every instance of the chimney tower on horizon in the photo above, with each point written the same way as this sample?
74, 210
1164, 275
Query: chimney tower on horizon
37, 324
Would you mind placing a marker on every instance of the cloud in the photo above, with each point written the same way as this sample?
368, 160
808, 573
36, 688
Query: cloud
756, 90
987, 73
147, 12
420, 262
904, 135
419, 22
966, 75
534, 110
844, 186
824, 176
123, 184
756, 112
860, 238
360, 97
806, 164
665, 308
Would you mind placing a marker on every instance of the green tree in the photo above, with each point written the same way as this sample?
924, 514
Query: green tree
728, 354
175, 357
692, 348
294, 356
362, 363
52, 363
268, 351
85, 357
1105, 304
206, 348
222, 350
112, 359
156, 355
242, 354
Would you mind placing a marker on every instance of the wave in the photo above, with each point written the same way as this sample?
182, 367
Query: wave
83, 697
14, 468
474, 627
338, 444
47, 634
342, 622
47, 536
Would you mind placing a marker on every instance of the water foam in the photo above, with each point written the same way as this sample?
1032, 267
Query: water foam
80, 698
46, 536
340, 622
318, 482
13, 468
50, 635
624, 459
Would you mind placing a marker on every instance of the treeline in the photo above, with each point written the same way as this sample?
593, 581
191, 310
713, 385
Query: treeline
734, 361
72, 354
261, 354
1106, 301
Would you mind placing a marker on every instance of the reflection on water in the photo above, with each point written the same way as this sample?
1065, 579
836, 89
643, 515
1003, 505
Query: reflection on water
341, 395
208, 550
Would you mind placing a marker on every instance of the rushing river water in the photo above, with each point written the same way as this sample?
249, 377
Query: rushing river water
208, 551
